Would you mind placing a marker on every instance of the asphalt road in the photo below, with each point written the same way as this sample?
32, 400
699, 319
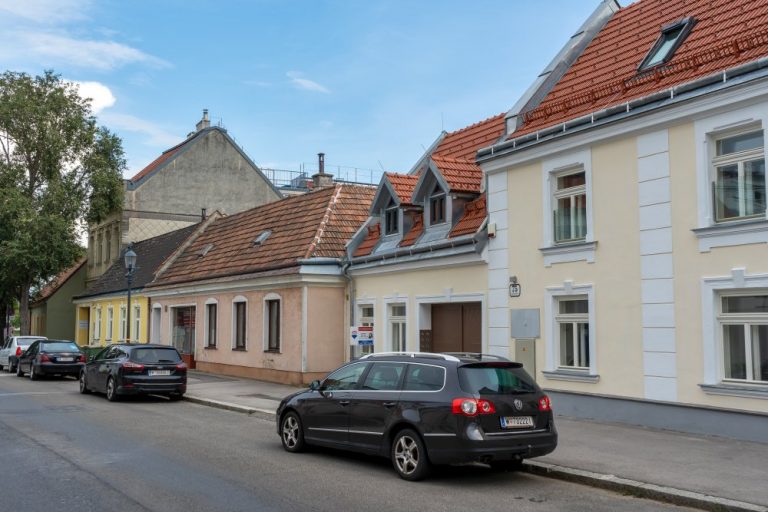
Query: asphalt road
60, 450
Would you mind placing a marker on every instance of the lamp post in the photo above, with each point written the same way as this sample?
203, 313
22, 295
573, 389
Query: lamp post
130, 268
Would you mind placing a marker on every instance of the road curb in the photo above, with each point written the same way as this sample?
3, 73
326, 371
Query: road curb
580, 476
641, 489
226, 405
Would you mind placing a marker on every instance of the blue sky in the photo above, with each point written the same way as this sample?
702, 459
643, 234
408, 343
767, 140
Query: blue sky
370, 83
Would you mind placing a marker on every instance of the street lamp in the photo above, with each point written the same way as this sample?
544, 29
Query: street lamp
130, 268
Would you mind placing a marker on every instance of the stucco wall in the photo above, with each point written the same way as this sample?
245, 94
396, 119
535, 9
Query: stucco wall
327, 333
106, 336
60, 310
210, 174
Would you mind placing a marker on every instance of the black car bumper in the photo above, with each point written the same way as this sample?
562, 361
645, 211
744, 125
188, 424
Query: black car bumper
59, 369
518, 445
161, 388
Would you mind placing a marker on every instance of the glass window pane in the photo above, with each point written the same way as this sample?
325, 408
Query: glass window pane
566, 344
583, 345
735, 356
738, 143
571, 180
424, 378
668, 40
754, 187
760, 352
367, 312
746, 304
384, 377
727, 192
398, 310
574, 306
344, 378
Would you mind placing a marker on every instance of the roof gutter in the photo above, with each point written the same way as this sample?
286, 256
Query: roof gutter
410, 251
625, 109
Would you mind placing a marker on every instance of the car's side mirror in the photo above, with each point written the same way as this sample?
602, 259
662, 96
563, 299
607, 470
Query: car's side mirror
314, 385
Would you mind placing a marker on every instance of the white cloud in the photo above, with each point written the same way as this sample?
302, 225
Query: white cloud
305, 83
258, 83
102, 55
100, 95
156, 136
47, 11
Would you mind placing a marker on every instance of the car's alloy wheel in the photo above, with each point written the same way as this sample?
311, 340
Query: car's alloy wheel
409, 456
111, 390
291, 433
19, 373
83, 384
32, 374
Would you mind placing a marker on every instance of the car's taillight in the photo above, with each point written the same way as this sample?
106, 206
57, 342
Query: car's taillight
44, 358
130, 366
18, 351
472, 406
181, 367
81, 359
545, 404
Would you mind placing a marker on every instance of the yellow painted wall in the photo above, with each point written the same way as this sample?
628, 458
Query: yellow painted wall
436, 285
106, 336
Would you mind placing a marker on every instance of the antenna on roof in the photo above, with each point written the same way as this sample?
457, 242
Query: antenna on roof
382, 167
442, 123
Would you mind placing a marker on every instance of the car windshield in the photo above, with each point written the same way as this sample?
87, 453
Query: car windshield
495, 380
60, 346
155, 355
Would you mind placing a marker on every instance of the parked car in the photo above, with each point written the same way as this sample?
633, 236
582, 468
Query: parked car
12, 349
50, 357
130, 369
423, 409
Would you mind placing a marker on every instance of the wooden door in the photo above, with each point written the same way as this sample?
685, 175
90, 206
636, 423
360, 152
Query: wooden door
472, 327
446, 328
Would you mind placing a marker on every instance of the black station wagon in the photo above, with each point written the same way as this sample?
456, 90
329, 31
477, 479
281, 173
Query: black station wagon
424, 409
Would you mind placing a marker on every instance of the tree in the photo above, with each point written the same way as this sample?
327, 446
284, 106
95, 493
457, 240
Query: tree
58, 171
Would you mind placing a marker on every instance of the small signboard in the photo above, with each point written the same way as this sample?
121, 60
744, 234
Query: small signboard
365, 335
515, 290
83, 324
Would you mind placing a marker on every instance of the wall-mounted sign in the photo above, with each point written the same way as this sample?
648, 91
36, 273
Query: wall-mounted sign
362, 335
515, 288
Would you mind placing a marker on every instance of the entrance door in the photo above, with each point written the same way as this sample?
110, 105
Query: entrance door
457, 327
183, 333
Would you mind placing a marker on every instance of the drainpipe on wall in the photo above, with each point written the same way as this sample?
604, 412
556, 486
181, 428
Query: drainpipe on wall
351, 292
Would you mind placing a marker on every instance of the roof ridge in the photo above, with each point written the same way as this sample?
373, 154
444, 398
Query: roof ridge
324, 222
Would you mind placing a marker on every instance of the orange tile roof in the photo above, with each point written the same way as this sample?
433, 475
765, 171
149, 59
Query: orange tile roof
416, 230
159, 161
316, 224
461, 175
369, 242
58, 281
403, 184
727, 33
473, 217
464, 143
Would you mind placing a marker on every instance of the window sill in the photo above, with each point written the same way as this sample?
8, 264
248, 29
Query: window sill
210, 347
744, 391
571, 376
743, 232
235, 349
568, 252
272, 351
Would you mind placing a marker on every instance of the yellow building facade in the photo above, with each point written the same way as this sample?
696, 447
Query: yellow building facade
103, 320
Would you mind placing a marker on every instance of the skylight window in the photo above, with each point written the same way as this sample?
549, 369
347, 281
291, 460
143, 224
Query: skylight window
205, 250
262, 238
672, 36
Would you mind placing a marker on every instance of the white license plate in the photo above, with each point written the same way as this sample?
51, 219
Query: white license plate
65, 359
159, 372
516, 421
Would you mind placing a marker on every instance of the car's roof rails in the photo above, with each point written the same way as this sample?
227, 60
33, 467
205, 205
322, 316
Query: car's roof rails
477, 355
433, 355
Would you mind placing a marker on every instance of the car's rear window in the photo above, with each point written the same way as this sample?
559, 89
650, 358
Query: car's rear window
495, 380
25, 342
59, 347
155, 355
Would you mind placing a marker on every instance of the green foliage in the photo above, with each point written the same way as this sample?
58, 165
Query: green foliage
58, 170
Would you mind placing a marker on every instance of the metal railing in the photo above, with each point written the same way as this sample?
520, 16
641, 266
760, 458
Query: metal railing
283, 178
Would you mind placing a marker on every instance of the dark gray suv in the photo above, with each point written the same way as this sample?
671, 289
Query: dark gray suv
423, 409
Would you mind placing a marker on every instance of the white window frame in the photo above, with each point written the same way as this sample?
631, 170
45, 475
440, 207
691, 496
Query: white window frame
737, 159
97, 327
566, 251
206, 340
156, 322
437, 193
265, 312
110, 323
236, 300
581, 346
364, 320
567, 193
553, 295
136, 320
707, 131
391, 207
123, 323
741, 319
400, 320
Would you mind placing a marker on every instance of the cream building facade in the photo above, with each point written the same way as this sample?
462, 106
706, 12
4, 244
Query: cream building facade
640, 241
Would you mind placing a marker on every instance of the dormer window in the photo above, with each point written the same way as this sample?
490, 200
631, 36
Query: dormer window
672, 36
437, 206
391, 218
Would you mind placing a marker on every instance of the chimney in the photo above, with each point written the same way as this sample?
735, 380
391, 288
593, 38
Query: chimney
204, 122
321, 179
203, 214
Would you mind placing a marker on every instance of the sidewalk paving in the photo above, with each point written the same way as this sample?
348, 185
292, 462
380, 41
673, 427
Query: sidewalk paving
683, 468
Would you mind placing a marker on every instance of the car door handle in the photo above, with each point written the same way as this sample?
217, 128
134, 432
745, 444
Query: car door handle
343, 403
389, 405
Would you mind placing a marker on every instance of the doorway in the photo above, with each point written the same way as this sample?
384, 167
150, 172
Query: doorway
183, 333
457, 327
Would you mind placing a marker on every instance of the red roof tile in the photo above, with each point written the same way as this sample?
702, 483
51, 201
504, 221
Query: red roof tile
727, 33
464, 143
403, 185
316, 224
58, 281
461, 175
473, 217
416, 230
369, 242
158, 161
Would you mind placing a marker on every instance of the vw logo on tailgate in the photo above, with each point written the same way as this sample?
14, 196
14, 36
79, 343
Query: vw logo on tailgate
518, 404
